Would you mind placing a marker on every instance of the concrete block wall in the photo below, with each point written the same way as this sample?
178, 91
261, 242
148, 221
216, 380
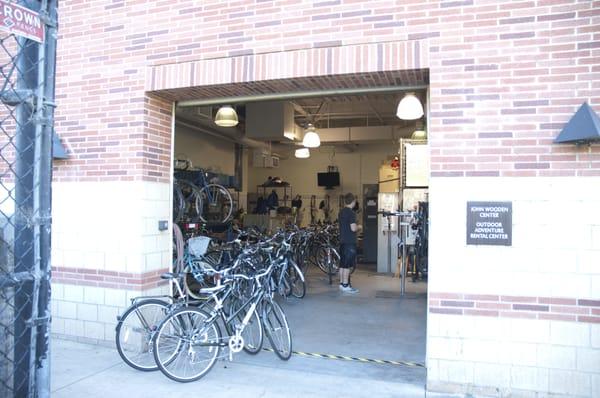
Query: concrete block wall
89, 313
106, 249
520, 320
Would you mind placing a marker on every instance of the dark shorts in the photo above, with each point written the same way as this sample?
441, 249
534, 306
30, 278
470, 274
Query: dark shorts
347, 255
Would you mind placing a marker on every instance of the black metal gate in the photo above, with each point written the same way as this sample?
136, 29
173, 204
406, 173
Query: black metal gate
27, 106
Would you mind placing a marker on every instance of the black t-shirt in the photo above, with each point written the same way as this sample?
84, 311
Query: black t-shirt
345, 218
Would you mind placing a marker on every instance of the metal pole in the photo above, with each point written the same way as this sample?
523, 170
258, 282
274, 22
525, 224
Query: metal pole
389, 233
301, 94
43, 337
27, 80
404, 259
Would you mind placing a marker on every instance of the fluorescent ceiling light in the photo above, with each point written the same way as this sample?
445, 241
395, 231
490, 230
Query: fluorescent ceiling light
302, 153
226, 117
419, 135
311, 138
409, 108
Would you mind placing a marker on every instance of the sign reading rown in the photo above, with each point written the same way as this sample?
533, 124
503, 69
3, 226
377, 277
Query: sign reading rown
21, 21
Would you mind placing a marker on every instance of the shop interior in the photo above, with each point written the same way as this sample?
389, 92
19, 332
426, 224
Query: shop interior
287, 163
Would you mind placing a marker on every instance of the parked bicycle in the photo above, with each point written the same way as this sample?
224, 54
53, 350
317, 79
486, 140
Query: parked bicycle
230, 305
188, 341
201, 200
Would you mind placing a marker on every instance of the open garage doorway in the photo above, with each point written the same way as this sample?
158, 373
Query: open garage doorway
378, 333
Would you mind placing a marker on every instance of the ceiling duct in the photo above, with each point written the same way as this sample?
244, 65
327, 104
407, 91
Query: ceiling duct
233, 135
272, 121
357, 134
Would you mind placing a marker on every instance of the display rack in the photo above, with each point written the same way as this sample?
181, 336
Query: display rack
283, 200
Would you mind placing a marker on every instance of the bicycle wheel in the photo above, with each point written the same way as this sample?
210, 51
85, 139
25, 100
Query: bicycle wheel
214, 204
134, 332
185, 346
178, 203
277, 329
284, 283
190, 194
328, 260
298, 285
253, 332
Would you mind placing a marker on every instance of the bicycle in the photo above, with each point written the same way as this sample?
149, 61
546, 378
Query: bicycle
137, 325
188, 341
208, 201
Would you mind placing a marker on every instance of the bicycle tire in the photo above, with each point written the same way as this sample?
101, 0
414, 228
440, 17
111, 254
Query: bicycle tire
322, 263
251, 345
178, 203
284, 282
190, 193
297, 282
214, 211
184, 350
192, 287
143, 360
275, 323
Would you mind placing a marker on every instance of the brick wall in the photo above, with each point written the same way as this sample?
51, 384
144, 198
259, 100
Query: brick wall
505, 76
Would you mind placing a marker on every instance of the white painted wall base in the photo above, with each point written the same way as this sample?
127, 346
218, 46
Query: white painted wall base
111, 226
89, 314
555, 253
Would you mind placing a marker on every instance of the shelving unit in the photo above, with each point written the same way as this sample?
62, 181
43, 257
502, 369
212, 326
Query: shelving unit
283, 200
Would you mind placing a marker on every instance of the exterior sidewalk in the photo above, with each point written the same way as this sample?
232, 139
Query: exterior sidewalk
82, 370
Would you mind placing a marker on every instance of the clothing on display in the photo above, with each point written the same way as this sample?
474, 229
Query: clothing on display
297, 202
275, 182
273, 200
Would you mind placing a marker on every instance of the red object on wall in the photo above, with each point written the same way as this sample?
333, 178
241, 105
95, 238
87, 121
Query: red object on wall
21, 21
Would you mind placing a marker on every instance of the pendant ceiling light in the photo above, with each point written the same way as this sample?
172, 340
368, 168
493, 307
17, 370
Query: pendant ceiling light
409, 108
302, 153
311, 138
419, 135
226, 117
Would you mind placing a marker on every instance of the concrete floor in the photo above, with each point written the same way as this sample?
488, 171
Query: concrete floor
375, 324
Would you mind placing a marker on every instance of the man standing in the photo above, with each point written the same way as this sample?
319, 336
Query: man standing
348, 229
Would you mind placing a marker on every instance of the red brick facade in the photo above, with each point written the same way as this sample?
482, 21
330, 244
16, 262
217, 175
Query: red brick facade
108, 279
504, 76
528, 307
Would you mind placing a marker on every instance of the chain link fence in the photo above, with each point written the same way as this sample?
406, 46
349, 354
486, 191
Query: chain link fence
27, 66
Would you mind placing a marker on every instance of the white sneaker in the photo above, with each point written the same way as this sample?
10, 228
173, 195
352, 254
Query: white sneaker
351, 289
348, 289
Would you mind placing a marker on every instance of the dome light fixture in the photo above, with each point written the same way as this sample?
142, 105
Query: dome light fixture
226, 117
311, 138
409, 108
419, 134
302, 153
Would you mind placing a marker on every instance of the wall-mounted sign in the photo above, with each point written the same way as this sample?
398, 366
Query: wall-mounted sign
21, 21
417, 165
489, 223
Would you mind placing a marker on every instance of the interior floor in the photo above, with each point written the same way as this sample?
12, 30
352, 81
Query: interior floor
374, 324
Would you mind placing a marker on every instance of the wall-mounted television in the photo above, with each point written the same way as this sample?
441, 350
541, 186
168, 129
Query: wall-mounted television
328, 180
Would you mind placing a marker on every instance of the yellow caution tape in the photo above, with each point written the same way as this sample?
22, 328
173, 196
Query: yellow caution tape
355, 359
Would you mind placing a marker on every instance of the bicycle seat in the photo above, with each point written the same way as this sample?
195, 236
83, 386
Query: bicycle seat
172, 275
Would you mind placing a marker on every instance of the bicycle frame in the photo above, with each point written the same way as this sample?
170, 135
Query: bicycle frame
218, 313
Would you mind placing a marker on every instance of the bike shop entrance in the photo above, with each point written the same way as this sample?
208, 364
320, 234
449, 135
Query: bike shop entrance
246, 138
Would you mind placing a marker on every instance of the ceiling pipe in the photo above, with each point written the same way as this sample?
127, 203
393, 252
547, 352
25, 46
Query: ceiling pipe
297, 95
234, 136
